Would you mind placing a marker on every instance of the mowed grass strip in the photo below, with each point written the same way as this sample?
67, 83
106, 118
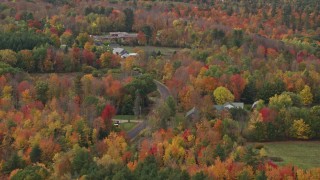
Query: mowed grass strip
166, 51
302, 154
127, 126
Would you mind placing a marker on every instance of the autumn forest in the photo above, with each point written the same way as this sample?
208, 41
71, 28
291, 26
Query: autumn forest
159, 89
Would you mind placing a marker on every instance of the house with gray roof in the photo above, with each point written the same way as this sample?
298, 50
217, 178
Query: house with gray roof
120, 51
193, 114
229, 105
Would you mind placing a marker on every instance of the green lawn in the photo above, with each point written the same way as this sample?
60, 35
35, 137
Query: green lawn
125, 117
299, 153
127, 126
166, 51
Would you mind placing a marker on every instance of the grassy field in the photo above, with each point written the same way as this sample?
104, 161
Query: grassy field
166, 51
127, 126
125, 117
299, 153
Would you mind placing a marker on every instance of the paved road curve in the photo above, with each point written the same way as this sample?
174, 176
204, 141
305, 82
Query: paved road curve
163, 90
134, 132
165, 93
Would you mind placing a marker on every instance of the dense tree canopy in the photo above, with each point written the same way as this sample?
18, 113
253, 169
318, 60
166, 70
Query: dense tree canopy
22, 40
73, 107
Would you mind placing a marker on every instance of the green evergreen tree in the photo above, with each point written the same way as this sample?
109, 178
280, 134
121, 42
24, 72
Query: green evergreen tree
42, 91
220, 152
199, 176
129, 19
172, 105
261, 175
286, 14
251, 157
31, 173
148, 169
35, 154
81, 162
15, 162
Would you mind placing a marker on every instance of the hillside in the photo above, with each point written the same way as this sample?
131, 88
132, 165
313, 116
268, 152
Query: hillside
139, 89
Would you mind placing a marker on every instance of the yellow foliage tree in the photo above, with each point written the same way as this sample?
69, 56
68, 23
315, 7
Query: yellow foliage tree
26, 96
308, 174
218, 170
27, 59
280, 101
222, 95
86, 81
168, 71
8, 56
300, 129
7, 92
116, 147
246, 173
174, 152
128, 63
306, 95
88, 46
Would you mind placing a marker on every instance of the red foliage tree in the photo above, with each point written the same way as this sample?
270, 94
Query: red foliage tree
265, 112
268, 115
126, 156
142, 38
75, 56
113, 87
153, 149
237, 85
88, 57
17, 17
53, 30
185, 134
24, 85
3, 81
34, 24
108, 112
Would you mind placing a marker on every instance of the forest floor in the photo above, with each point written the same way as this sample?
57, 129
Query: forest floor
304, 154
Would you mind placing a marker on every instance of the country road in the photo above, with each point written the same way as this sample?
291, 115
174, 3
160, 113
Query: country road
163, 90
165, 93
134, 132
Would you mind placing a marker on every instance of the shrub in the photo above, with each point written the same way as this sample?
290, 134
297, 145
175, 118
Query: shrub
258, 146
88, 69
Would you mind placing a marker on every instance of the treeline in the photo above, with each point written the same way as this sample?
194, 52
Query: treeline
58, 2
98, 10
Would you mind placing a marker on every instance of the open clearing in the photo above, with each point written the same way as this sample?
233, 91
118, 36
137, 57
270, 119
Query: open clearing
166, 51
303, 154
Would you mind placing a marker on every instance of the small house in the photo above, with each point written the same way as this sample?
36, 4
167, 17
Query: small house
192, 114
229, 105
254, 105
119, 51
125, 55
